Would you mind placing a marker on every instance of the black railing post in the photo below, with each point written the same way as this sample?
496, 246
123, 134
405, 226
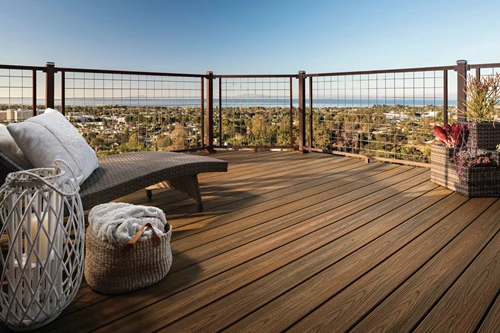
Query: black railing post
310, 141
209, 148
63, 92
461, 69
202, 111
220, 111
33, 111
49, 84
445, 97
302, 111
291, 113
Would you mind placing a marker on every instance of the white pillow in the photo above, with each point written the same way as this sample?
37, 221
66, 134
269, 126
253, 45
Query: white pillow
51, 136
9, 148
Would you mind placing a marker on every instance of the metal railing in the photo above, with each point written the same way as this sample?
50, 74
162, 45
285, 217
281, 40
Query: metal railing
255, 111
18, 92
382, 114
387, 114
120, 111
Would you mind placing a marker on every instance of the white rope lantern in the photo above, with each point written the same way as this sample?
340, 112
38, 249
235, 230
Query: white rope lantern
42, 250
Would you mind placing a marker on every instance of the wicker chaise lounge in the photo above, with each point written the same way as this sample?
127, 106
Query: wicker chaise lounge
123, 174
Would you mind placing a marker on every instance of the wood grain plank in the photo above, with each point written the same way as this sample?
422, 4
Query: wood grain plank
291, 189
286, 236
296, 198
290, 251
178, 262
288, 217
217, 315
241, 186
404, 309
200, 271
286, 162
344, 309
464, 305
492, 321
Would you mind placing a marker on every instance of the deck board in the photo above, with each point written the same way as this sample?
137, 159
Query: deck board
403, 310
310, 242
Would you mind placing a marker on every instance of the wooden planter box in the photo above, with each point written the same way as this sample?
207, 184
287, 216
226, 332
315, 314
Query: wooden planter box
475, 182
484, 135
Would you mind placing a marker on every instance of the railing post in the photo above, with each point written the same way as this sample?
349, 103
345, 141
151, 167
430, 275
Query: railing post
310, 142
291, 112
202, 111
33, 111
461, 69
220, 111
63, 92
302, 111
49, 84
445, 97
210, 112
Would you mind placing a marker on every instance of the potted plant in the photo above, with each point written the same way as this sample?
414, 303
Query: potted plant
482, 98
477, 172
470, 171
451, 137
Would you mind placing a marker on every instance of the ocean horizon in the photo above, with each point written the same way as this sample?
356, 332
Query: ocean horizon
234, 102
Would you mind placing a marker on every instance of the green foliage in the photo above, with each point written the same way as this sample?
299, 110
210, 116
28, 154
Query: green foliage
482, 95
395, 131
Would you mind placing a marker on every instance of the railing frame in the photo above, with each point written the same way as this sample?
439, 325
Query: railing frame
34, 70
258, 76
209, 81
302, 112
461, 69
207, 96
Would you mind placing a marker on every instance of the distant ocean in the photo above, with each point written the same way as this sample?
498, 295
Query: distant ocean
235, 102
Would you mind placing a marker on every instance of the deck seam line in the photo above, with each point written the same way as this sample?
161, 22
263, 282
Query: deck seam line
367, 272
426, 313
242, 263
234, 221
419, 268
305, 180
210, 200
317, 249
318, 214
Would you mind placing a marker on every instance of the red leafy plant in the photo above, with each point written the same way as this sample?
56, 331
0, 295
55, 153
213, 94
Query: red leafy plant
450, 135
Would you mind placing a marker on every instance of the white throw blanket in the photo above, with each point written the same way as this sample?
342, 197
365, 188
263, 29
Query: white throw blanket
119, 222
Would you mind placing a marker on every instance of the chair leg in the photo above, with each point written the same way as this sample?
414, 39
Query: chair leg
190, 186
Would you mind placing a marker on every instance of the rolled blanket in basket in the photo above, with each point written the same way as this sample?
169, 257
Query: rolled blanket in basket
118, 222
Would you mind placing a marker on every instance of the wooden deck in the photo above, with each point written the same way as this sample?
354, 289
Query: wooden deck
313, 243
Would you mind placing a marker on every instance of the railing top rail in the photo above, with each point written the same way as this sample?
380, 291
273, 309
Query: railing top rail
111, 71
37, 68
384, 71
491, 65
243, 76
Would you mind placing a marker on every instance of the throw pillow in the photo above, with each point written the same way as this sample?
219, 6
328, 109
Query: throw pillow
11, 150
51, 136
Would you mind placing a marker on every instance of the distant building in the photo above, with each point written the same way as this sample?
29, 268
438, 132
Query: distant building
18, 115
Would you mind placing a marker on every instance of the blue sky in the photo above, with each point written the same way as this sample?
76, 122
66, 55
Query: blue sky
248, 37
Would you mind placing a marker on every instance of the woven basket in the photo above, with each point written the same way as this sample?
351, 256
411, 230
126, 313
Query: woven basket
484, 135
443, 171
441, 155
479, 182
112, 268
475, 182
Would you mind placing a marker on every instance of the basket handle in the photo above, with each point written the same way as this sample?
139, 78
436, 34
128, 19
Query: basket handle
130, 244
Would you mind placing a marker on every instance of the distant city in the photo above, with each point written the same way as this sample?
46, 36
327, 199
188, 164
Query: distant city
397, 131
